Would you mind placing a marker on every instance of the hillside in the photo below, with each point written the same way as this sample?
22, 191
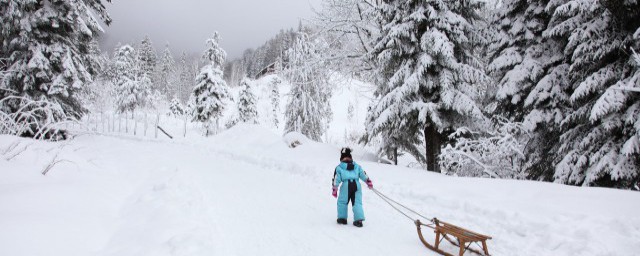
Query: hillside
244, 192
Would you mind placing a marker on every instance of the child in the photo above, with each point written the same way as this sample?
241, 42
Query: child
347, 173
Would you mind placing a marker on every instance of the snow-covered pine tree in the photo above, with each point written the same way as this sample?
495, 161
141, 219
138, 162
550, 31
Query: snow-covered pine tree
274, 95
176, 107
210, 92
308, 110
426, 88
166, 72
132, 87
259, 62
45, 50
517, 53
247, 108
531, 84
600, 143
185, 78
147, 57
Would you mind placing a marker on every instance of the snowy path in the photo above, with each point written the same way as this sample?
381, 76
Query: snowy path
245, 193
220, 203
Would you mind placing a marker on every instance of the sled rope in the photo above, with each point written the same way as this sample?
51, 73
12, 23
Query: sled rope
391, 202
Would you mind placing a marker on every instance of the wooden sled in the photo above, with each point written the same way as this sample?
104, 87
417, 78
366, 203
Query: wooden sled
465, 238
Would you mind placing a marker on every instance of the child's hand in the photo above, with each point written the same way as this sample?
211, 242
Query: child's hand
369, 184
334, 193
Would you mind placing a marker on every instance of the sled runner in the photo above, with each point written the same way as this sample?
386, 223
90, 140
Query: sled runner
465, 238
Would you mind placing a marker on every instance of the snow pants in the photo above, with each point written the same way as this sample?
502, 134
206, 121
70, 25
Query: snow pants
350, 191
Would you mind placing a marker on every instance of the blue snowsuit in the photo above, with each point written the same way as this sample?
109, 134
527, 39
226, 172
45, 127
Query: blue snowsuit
346, 176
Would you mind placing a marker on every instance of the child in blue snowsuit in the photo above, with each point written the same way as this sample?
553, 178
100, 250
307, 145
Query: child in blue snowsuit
345, 178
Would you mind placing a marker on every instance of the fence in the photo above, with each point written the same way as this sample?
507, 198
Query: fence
144, 124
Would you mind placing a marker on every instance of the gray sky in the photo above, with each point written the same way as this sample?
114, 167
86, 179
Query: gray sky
186, 24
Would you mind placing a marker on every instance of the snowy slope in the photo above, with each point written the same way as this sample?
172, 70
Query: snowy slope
244, 192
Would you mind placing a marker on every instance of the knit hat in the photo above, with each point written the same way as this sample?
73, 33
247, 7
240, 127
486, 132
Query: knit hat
345, 152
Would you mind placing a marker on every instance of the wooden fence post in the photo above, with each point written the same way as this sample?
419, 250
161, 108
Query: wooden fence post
156, 126
145, 123
102, 121
135, 123
185, 126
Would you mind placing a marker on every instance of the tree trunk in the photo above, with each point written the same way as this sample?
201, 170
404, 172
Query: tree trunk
433, 143
157, 125
395, 155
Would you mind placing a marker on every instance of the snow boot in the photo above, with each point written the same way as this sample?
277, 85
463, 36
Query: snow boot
357, 223
342, 221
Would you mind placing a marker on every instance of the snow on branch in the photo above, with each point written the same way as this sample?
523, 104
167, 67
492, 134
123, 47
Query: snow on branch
496, 153
634, 84
40, 119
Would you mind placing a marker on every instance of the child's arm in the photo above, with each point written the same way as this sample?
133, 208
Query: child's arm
362, 174
336, 178
335, 182
364, 177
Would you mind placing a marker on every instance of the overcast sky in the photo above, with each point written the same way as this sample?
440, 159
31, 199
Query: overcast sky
186, 24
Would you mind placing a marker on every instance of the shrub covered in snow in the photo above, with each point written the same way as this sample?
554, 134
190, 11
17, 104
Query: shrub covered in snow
496, 153
176, 107
39, 119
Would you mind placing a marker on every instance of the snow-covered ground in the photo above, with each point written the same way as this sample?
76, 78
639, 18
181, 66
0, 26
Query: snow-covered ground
244, 192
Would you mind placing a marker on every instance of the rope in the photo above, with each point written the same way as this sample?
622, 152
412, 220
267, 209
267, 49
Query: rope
391, 202
394, 207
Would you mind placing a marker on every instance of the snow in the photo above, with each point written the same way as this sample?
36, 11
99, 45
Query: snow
245, 192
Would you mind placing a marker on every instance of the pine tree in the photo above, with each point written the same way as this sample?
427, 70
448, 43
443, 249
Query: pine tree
45, 50
133, 88
147, 57
530, 71
274, 88
166, 72
308, 110
247, 108
176, 107
518, 53
428, 83
210, 92
185, 79
600, 143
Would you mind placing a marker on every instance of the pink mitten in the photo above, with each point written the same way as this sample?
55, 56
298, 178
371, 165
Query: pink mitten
334, 193
369, 184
